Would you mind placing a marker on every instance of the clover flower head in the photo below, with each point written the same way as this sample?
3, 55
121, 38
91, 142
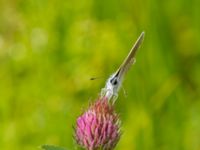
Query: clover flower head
98, 127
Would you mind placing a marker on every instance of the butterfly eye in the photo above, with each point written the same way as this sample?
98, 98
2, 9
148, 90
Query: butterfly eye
114, 81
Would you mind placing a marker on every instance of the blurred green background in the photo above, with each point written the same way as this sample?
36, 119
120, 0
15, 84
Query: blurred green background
49, 50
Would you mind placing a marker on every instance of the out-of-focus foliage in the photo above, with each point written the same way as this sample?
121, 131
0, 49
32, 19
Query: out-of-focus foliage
50, 49
51, 147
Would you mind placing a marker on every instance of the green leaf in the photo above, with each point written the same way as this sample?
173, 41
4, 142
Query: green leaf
51, 147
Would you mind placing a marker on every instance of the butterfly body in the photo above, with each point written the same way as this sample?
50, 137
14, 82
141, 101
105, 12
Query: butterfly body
114, 82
